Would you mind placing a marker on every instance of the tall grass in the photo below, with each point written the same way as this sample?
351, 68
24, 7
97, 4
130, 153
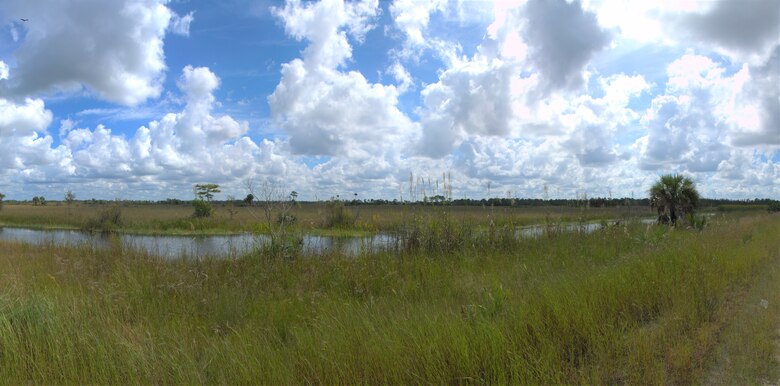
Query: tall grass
329, 217
742, 207
629, 304
337, 215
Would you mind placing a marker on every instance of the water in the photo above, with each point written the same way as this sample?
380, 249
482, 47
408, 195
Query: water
539, 230
196, 246
589, 227
236, 245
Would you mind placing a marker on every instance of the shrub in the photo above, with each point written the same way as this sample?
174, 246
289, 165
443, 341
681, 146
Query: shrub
439, 235
202, 204
107, 220
337, 215
286, 246
773, 206
203, 208
285, 219
696, 222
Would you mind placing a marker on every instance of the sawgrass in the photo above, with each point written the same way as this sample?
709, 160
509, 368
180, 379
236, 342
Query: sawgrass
627, 304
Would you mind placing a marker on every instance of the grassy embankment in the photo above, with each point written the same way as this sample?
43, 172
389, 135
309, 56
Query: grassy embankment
309, 218
752, 338
629, 304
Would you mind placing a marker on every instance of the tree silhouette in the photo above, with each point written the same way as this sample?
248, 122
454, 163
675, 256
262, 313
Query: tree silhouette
206, 191
673, 195
70, 197
249, 198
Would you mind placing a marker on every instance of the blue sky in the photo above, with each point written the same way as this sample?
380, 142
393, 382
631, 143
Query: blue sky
144, 98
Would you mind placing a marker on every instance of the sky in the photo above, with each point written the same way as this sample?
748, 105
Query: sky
141, 99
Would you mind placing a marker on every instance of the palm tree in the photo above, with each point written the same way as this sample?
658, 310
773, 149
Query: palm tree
673, 195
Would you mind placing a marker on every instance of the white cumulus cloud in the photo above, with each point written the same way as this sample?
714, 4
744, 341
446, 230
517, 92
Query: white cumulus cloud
325, 110
112, 48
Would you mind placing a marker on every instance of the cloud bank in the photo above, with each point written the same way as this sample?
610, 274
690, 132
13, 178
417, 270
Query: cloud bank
545, 97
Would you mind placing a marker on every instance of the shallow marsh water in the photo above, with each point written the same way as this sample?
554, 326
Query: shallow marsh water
194, 246
172, 247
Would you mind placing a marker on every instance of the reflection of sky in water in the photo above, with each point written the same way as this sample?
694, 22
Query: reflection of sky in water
237, 245
195, 246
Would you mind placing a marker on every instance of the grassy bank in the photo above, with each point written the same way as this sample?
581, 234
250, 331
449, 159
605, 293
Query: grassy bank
629, 304
309, 218
749, 352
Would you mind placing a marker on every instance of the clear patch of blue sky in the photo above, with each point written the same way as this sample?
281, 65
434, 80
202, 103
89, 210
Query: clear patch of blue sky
650, 61
730, 67
371, 57
7, 43
312, 161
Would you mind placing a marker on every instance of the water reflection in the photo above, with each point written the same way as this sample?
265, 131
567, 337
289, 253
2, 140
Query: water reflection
197, 246
238, 245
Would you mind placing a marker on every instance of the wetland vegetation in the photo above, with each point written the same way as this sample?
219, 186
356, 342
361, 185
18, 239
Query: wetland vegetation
461, 294
326, 218
465, 302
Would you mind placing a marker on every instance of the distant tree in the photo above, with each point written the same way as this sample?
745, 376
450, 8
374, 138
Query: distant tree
206, 191
2, 196
673, 196
202, 203
38, 201
70, 197
249, 198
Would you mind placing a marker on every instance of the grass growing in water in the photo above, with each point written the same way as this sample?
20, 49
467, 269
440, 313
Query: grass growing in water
629, 304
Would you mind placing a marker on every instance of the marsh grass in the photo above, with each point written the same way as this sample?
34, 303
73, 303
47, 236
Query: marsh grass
337, 215
749, 351
311, 218
627, 304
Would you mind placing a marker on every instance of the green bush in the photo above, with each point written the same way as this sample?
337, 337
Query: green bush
774, 207
285, 219
203, 208
107, 220
286, 246
337, 215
